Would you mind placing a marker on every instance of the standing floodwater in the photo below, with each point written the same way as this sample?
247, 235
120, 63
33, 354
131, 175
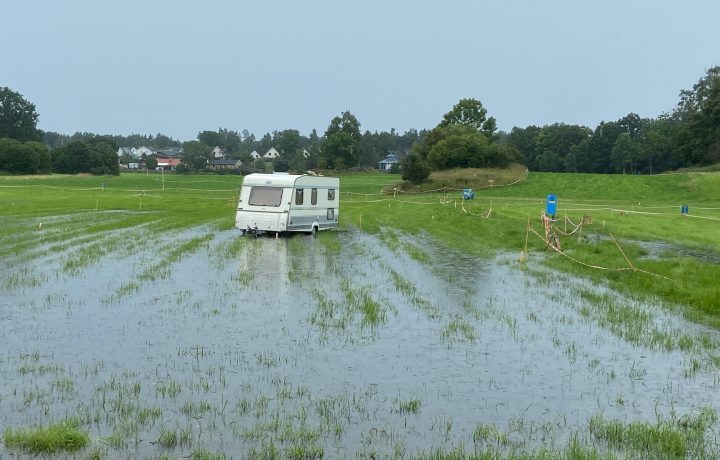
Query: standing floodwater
339, 345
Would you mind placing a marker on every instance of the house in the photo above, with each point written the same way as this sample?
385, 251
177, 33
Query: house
168, 163
223, 164
170, 152
218, 153
126, 151
255, 155
388, 162
271, 154
143, 151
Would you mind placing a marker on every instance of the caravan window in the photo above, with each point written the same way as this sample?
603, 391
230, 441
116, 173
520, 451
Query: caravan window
299, 196
331, 194
313, 196
265, 196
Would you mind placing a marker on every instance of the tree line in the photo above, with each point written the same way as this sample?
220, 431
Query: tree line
23, 152
688, 136
465, 137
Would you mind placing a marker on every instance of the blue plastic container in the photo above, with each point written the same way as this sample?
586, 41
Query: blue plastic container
468, 194
551, 205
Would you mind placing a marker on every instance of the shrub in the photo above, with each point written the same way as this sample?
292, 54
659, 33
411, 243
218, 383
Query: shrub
414, 169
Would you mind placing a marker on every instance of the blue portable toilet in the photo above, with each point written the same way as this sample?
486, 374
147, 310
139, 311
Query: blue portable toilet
551, 205
468, 194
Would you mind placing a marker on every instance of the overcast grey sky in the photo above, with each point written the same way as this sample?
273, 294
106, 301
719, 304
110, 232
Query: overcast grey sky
179, 67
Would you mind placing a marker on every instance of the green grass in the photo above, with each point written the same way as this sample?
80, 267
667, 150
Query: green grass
486, 434
411, 406
675, 438
168, 439
54, 438
459, 329
687, 280
72, 226
356, 305
66, 206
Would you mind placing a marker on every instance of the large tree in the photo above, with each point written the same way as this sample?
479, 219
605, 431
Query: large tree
554, 143
341, 147
470, 113
699, 111
18, 118
228, 141
288, 142
661, 152
345, 123
338, 151
464, 139
626, 153
196, 155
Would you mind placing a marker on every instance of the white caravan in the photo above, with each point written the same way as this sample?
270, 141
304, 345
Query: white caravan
281, 203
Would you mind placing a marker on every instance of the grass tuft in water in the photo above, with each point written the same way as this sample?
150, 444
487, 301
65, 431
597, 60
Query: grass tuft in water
459, 329
168, 439
200, 454
302, 452
48, 440
676, 438
490, 435
411, 406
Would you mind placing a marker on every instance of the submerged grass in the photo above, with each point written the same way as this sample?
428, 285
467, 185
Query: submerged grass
411, 406
288, 421
638, 325
357, 305
459, 329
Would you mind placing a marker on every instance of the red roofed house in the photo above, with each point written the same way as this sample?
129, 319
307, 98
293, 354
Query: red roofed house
168, 163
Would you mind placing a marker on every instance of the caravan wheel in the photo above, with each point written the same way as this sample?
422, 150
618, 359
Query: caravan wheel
314, 229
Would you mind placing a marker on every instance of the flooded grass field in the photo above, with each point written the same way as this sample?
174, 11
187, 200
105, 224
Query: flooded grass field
128, 334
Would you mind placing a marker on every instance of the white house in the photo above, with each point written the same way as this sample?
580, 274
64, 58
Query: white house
388, 162
218, 153
255, 155
271, 154
126, 151
143, 151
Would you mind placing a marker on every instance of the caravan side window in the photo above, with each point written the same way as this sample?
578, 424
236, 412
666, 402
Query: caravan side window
313, 196
331, 194
299, 196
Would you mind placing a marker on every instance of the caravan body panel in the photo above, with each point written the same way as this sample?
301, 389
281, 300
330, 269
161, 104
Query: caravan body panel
288, 203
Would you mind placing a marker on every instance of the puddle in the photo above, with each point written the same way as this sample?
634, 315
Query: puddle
660, 249
338, 342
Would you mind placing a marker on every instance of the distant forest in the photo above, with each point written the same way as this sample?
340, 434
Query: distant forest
688, 136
